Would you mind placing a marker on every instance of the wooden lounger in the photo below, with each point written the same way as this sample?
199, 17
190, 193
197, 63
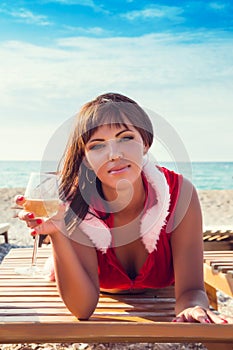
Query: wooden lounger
32, 311
214, 238
218, 238
4, 227
218, 274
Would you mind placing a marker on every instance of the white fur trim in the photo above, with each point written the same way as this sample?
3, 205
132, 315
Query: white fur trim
151, 223
155, 218
97, 231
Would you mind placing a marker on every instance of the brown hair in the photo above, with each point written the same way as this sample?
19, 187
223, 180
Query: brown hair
109, 108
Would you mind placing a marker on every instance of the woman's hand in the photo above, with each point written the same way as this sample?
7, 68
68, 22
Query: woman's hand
39, 226
201, 315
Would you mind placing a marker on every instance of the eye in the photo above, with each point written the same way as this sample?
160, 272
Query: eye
126, 138
96, 146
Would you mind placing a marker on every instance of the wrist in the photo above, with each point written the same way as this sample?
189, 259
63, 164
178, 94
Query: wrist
191, 299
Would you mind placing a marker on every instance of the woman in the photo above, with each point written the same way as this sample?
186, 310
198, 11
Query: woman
129, 225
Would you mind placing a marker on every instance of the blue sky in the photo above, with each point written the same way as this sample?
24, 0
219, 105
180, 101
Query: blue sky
173, 57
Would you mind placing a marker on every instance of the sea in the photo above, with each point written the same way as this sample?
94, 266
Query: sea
204, 175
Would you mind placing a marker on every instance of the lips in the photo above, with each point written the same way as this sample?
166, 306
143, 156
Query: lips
118, 169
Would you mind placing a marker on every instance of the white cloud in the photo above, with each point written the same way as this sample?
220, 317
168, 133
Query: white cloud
86, 3
218, 6
96, 31
159, 12
26, 16
190, 84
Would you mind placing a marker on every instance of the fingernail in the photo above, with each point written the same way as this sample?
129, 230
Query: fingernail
207, 320
20, 198
33, 233
39, 221
224, 321
174, 320
31, 216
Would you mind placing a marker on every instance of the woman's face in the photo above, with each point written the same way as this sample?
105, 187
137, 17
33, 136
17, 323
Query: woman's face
115, 153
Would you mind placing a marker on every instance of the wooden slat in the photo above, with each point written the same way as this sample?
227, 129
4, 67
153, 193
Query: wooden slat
220, 281
216, 254
218, 274
31, 310
130, 332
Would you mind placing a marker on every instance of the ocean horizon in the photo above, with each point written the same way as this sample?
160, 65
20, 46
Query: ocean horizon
205, 175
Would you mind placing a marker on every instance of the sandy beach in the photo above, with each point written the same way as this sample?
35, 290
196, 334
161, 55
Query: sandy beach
217, 208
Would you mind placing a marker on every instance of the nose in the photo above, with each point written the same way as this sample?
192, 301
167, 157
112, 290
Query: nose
114, 151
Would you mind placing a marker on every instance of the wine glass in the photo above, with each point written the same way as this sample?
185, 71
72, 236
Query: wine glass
42, 199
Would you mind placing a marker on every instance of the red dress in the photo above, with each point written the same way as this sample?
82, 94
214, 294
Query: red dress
162, 187
157, 271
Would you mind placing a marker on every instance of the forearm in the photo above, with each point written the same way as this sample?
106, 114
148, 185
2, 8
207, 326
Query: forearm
191, 298
75, 286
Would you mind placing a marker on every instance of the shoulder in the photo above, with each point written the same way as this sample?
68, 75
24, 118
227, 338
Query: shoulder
181, 189
175, 183
184, 202
188, 193
188, 206
173, 178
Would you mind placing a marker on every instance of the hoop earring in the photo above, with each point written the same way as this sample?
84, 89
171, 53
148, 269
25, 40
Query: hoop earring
88, 179
145, 159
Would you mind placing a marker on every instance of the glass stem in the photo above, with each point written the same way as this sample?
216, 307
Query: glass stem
35, 248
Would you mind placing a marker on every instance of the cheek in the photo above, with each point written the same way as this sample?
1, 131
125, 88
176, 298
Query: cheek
96, 160
134, 152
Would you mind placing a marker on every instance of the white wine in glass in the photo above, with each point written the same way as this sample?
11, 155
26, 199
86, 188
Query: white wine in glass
42, 199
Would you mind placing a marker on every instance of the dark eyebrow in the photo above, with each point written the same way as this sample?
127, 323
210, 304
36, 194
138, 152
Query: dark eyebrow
117, 135
121, 132
94, 140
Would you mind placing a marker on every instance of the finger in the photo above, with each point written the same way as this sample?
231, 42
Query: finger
218, 318
229, 319
25, 215
33, 233
54, 224
34, 223
199, 314
45, 228
195, 314
179, 318
20, 200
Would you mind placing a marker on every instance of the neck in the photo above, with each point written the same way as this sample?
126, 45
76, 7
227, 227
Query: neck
127, 198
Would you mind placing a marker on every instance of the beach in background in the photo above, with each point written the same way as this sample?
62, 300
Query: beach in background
217, 210
213, 180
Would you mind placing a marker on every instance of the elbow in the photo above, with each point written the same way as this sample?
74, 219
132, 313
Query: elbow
83, 311
85, 315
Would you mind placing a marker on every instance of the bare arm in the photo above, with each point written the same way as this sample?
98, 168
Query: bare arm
75, 262
76, 275
187, 249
